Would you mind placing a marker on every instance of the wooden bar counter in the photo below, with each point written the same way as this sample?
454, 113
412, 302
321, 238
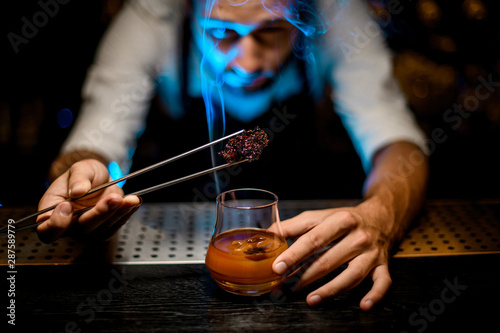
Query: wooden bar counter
151, 278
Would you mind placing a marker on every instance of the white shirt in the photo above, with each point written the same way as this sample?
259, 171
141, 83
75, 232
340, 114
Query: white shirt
141, 52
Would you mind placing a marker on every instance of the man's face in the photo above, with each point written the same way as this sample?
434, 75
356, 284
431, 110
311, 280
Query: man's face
245, 43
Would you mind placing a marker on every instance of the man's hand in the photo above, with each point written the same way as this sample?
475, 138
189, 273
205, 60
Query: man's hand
362, 236
360, 243
110, 212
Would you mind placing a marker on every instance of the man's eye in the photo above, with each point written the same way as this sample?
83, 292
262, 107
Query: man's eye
272, 28
221, 33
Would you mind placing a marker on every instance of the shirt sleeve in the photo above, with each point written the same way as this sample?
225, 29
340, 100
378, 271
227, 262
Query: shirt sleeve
141, 42
365, 93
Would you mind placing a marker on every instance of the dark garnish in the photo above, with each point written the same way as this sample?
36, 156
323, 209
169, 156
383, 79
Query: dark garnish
256, 250
246, 146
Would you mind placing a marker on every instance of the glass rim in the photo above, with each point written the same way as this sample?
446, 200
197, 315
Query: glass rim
274, 200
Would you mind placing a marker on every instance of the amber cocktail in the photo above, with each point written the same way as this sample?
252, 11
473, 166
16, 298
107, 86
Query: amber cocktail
247, 239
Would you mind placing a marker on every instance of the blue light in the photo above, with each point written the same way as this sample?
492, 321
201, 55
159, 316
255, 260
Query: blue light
217, 28
115, 172
65, 118
223, 81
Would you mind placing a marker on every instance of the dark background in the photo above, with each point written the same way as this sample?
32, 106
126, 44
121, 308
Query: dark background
441, 50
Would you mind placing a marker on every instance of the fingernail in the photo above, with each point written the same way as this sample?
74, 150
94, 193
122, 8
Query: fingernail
66, 209
280, 268
314, 300
369, 303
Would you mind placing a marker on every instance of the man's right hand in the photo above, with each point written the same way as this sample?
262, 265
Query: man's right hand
111, 210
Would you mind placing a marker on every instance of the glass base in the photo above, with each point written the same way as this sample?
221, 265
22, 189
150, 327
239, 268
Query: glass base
247, 289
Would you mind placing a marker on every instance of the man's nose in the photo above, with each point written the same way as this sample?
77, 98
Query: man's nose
250, 58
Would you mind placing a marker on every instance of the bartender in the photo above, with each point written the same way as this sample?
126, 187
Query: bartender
222, 65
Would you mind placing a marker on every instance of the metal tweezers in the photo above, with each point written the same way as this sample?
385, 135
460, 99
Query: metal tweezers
131, 175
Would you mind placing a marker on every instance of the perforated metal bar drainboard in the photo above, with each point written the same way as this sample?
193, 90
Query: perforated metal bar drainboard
180, 233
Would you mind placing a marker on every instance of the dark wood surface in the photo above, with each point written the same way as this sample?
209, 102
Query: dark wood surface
183, 298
